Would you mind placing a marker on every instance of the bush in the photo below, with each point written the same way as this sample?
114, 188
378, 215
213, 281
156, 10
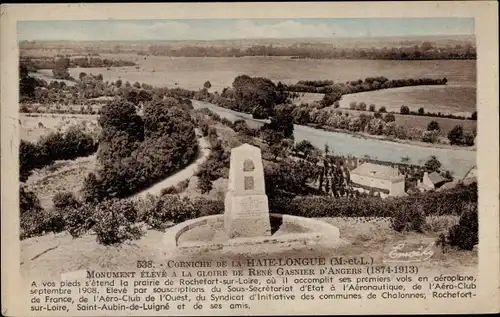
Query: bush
65, 200
169, 191
464, 235
206, 207
79, 220
433, 126
430, 136
115, 222
456, 135
169, 208
389, 117
408, 219
182, 185
468, 138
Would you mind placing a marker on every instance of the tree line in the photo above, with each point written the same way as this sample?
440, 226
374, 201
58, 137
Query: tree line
424, 51
35, 63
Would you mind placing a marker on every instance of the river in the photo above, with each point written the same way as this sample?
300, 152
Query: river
456, 160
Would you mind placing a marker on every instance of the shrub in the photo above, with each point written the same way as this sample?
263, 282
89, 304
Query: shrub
433, 126
65, 200
464, 235
390, 129
79, 220
206, 207
389, 117
456, 134
114, 222
168, 191
169, 208
468, 138
405, 110
182, 185
430, 136
411, 218
361, 106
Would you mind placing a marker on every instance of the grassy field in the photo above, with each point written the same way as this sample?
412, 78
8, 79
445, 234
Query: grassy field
457, 100
34, 126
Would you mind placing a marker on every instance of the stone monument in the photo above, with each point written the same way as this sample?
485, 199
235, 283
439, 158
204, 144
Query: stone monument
246, 209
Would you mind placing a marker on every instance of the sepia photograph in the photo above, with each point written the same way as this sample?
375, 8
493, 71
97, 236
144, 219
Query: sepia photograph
232, 162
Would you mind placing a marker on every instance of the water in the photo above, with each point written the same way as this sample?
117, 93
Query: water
456, 160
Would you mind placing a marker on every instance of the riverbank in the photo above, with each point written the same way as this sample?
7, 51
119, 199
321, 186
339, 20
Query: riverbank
366, 136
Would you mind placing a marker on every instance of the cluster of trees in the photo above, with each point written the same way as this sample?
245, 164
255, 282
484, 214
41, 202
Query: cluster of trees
257, 95
52, 147
37, 63
135, 152
424, 51
355, 86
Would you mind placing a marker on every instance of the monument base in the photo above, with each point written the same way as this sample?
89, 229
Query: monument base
247, 216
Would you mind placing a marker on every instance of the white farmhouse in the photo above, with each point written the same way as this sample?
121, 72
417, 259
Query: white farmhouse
385, 180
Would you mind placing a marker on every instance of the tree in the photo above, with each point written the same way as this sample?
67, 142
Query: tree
456, 135
382, 109
405, 110
433, 164
371, 108
421, 111
204, 182
474, 116
82, 75
469, 138
433, 126
207, 85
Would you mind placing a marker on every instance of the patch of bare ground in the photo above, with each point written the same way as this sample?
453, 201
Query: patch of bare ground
65, 175
50, 255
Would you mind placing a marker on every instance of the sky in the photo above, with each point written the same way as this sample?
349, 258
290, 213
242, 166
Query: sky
221, 29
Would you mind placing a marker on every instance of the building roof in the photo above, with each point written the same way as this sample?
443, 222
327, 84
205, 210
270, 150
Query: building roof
436, 178
378, 171
472, 173
424, 187
449, 185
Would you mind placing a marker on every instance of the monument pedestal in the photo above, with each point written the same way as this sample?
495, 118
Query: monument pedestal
246, 206
247, 216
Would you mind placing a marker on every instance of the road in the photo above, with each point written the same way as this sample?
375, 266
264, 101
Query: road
181, 175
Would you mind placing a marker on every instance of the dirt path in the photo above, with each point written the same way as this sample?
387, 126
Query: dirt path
181, 175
